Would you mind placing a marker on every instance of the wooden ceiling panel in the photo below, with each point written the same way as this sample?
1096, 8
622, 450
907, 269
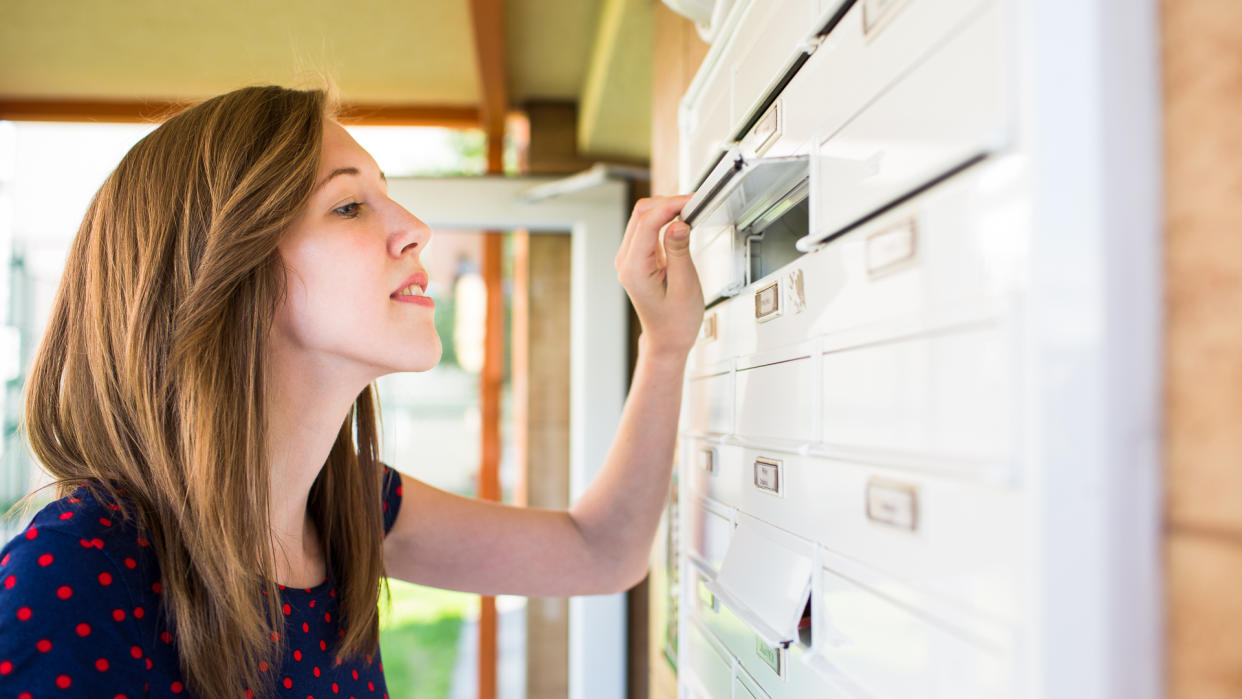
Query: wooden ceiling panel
415, 56
375, 51
549, 46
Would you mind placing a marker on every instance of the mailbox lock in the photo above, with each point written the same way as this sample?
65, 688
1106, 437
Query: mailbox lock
709, 327
768, 476
768, 302
888, 249
893, 504
707, 459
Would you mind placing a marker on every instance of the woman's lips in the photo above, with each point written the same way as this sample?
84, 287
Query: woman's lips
418, 300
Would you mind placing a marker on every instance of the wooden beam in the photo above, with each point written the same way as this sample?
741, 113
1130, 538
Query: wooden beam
142, 111
487, 22
89, 110
447, 116
487, 19
491, 381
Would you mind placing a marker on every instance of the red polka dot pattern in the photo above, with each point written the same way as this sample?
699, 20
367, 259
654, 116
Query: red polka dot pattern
80, 615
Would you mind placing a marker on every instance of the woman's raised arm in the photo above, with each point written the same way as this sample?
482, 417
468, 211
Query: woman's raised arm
601, 543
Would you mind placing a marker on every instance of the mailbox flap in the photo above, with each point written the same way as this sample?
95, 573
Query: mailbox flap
738, 191
765, 579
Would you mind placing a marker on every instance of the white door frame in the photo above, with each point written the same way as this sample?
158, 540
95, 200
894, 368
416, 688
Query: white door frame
595, 219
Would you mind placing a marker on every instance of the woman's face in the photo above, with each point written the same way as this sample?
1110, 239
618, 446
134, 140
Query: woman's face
352, 256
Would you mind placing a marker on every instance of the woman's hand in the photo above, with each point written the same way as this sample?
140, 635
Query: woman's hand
659, 277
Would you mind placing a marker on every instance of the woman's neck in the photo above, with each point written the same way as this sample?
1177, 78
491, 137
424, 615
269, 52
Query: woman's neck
306, 407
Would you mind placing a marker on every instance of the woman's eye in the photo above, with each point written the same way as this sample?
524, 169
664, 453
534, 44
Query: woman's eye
349, 210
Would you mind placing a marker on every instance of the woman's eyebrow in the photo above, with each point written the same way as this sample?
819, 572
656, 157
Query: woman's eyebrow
343, 171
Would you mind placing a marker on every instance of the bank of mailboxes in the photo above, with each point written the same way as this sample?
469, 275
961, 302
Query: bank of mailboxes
851, 524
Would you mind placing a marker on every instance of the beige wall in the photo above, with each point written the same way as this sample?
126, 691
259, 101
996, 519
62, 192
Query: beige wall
1202, 63
1202, 68
546, 435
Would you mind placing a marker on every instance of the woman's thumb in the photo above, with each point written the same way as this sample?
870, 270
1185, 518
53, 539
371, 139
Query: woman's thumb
677, 239
682, 277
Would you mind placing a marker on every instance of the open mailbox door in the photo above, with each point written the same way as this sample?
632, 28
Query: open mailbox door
765, 580
733, 210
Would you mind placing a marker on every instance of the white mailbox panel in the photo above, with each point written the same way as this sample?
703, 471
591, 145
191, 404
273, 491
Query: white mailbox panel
706, 124
854, 65
775, 401
725, 480
709, 530
894, 652
946, 538
949, 255
744, 687
709, 403
771, 37
944, 398
741, 71
920, 429
709, 671
948, 111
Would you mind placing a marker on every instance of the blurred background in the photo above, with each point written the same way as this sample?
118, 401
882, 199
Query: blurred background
478, 88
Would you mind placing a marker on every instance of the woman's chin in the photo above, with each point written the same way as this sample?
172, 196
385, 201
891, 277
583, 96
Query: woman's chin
428, 361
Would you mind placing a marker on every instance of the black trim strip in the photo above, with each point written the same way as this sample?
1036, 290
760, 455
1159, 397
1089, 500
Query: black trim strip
710, 197
773, 94
903, 198
708, 172
836, 18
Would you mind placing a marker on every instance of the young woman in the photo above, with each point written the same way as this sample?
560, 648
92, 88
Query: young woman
202, 400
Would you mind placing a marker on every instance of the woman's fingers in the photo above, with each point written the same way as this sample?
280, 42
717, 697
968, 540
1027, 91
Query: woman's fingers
640, 208
644, 244
659, 275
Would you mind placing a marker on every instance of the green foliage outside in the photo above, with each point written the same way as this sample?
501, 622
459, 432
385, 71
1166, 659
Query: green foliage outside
446, 320
418, 639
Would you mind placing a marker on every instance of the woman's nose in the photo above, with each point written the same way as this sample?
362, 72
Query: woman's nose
409, 235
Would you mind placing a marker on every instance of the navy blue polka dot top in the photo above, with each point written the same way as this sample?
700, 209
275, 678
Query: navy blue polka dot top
80, 614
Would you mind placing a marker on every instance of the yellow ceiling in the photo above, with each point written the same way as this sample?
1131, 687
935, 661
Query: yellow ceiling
415, 52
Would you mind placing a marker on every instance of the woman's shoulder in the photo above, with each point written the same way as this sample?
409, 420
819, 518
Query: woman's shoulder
80, 535
79, 595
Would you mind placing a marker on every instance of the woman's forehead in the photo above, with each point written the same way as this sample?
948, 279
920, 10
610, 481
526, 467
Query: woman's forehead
340, 150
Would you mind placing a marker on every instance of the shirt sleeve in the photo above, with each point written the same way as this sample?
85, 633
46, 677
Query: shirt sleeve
66, 621
392, 496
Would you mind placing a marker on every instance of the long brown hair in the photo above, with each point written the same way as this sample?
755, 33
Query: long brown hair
150, 380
